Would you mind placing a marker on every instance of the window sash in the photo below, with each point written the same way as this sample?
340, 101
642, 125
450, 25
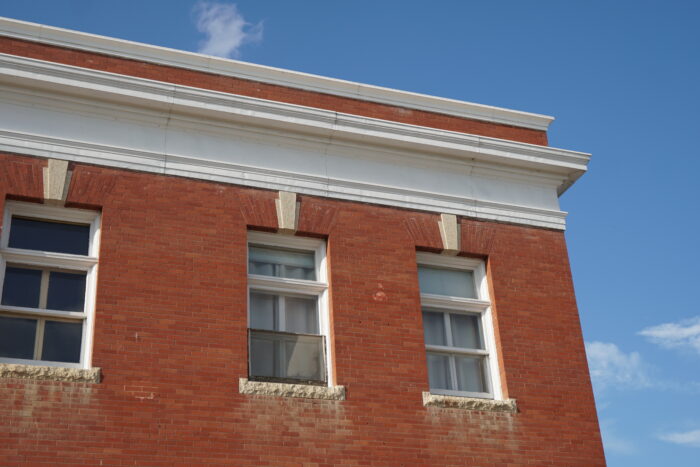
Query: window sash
289, 287
39, 337
478, 305
48, 261
282, 361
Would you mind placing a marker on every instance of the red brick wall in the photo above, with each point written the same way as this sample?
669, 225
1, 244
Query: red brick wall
170, 337
268, 91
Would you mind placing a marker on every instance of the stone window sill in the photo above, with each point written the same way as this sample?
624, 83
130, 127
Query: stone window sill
51, 373
469, 403
305, 391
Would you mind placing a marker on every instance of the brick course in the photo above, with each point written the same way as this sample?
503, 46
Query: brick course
170, 337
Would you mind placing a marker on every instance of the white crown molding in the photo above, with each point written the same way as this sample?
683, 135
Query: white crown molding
71, 113
113, 156
215, 105
208, 64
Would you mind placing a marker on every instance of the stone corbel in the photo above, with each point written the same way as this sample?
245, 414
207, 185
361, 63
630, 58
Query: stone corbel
56, 181
287, 212
449, 232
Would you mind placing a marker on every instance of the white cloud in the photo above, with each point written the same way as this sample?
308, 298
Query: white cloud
687, 438
611, 367
225, 29
683, 334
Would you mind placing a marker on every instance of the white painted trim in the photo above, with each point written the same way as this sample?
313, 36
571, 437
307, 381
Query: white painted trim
112, 156
57, 260
318, 288
480, 305
221, 66
207, 104
201, 112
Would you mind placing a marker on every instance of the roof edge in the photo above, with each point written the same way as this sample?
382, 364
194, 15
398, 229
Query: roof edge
204, 63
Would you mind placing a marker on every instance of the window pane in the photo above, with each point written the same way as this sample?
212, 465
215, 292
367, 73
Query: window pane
62, 341
286, 356
17, 337
279, 262
66, 291
264, 357
304, 359
465, 331
434, 328
470, 374
438, 371
263, 311
33, 234
446, 282
301, 315
21, 287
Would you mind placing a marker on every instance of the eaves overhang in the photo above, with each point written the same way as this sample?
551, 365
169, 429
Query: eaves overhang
198, 62
204, 105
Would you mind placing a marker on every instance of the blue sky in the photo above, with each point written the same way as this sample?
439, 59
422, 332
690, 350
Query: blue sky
621, 77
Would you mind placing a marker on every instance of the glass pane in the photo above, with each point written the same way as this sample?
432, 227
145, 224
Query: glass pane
304, 359
278, 262
62, 341
465, 331
470, 374
66, 291
33, 234
17, 337
438, 371
446, 282
301, 315
21, 287
286, 356
434, 328
264, 357
263, 311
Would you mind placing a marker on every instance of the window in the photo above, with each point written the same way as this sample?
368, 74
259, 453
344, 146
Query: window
457, 327
287, 309
48, 266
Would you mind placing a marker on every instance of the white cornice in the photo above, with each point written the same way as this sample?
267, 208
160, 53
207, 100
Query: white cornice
213, 105
204, 63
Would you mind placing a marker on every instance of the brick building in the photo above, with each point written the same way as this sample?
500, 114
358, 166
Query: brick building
205, 261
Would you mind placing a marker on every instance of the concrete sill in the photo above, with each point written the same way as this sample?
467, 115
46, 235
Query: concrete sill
259, 388
469, 403
51, 373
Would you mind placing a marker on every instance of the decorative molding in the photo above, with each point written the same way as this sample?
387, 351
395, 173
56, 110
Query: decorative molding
126, 158
459, 174
469, 403
287, 212
304, 391
221, 66
52, 373
449, 232
210, 105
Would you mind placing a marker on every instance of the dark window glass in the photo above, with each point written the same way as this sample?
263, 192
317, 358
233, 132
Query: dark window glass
17, 337
62, 341
66, 291
278, 262
287, 356
21, 287
32, 234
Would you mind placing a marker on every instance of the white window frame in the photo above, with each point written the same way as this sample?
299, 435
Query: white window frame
480, 306
296, 287
46, 259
